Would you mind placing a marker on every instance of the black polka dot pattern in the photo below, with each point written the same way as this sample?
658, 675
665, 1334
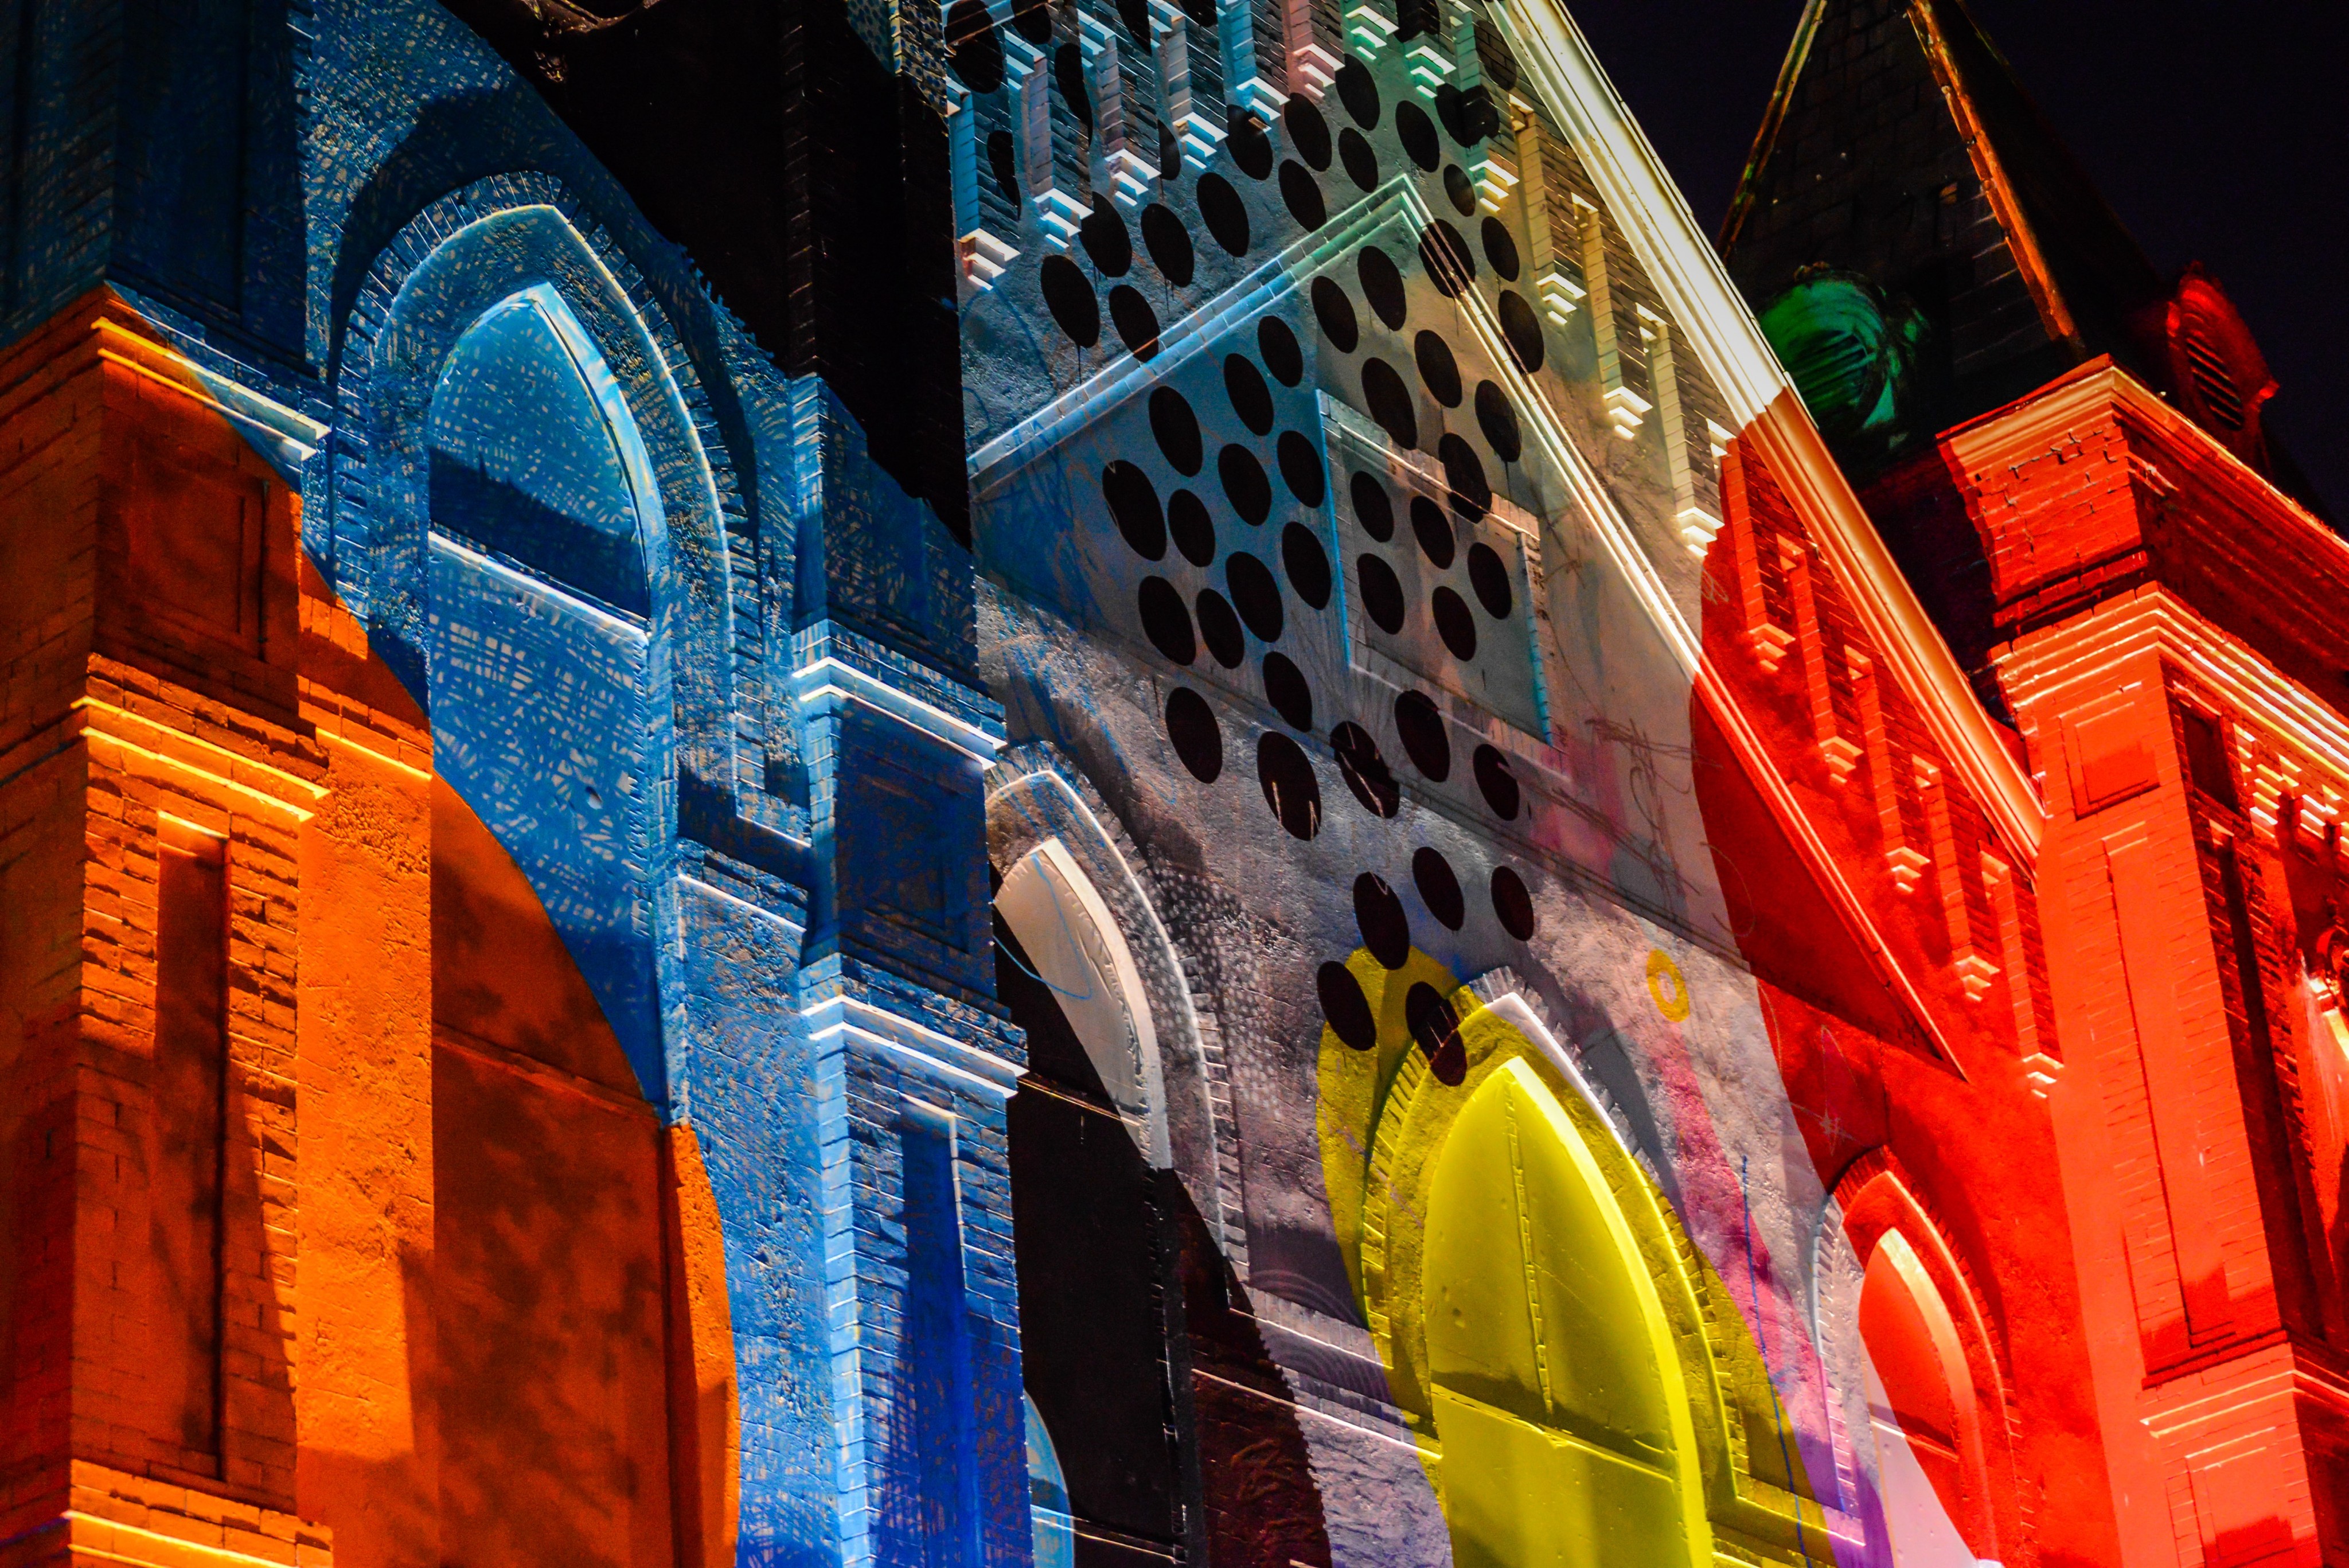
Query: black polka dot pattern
1372, 506
1255, 595
1454, 624
1134, 506
1308, 565
1435, 1029
1277, 347
1136, 323
1382, 599
1104, 235
1522, 330
1302, 194
1285, 687
1069, 296
1439, 890
1176, 429
1386, 930
1166, 621
1335, 312
1251, 148
1497, 782
1224, 213
1425, 739
1191, 527
1439, 372
1489, 576
1309, 133
1433, 531
1389, 402
1380, 337
1300, 468
1251, 399
1169, 243
1244, 483
1359, 93
1365, 771
1198, 740
1220, 630
1285, 775
1344, 1006
1381, 285
1512, 904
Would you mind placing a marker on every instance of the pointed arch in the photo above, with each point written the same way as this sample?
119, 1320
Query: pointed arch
1034, 796
1938, 1384
452, 262
1721, 1380
1553, 1376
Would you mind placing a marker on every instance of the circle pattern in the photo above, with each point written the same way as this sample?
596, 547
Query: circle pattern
1439, 890
1166, 621
1386, 930
1373, 509
1244, 483
1286, 689
1198, 740
1425, 739
1133, 507
1381, 285
1191, 527
1335, 312
1345, 1007
1104, 235
1512, 904
1169, 243
1254, 594
1220, 629
1251, 399
1069, 296
1285, 775
1308, 565
1224, 213
1382, 599
1277, 345
1365, 771
1176, 429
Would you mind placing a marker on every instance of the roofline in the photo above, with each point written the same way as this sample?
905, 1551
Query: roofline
1774, 119
2021, 237
1696, 292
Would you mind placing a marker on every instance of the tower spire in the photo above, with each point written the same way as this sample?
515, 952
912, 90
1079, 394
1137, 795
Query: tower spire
1923, 248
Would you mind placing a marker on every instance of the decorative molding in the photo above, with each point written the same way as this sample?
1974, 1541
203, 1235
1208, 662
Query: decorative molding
1725, 341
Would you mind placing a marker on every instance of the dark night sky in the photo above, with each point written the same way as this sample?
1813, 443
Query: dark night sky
2218, 132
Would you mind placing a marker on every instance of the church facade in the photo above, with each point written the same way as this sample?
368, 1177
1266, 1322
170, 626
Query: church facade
1124, 781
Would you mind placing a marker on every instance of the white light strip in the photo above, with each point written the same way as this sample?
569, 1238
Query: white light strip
1722, 334
828, 677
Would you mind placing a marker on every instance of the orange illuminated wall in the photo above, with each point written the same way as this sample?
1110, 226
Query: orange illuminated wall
336, 1223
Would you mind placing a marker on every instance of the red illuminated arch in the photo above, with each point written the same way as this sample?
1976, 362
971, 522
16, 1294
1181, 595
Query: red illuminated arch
1921, 1319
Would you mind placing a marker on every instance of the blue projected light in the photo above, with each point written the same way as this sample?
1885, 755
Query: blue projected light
528, 464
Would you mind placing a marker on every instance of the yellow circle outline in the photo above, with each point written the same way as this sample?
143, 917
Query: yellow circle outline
1674, 1004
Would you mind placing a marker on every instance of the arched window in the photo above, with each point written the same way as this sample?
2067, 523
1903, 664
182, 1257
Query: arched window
1556, 1389
541, 682
1095, 1217
584, 1367
1923, 1404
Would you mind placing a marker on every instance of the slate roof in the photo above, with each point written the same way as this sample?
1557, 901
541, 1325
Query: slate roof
1900, 145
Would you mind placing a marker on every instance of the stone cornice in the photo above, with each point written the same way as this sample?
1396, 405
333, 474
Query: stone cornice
2084, 652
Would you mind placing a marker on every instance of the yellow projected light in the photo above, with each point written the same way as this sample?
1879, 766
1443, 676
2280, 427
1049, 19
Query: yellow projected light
1515, 1302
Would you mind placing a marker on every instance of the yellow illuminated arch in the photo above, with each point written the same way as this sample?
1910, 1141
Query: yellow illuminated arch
1402, 1147
1557, 1392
